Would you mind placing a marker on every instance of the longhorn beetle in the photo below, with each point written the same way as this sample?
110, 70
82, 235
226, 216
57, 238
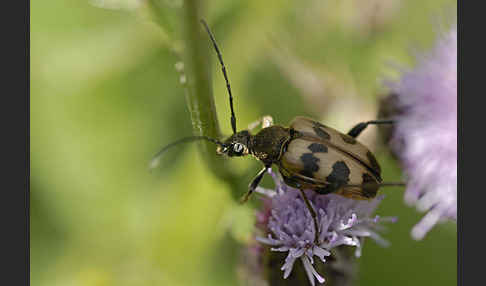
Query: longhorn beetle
308, 154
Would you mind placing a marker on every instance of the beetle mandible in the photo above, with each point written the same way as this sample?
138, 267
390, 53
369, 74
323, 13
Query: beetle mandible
308, 154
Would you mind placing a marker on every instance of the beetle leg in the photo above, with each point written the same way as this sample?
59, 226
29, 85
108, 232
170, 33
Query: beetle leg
254, 184
358, 128
313, 214
265, 121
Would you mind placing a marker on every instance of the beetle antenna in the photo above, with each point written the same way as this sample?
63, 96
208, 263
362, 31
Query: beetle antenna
156, 159
223, 68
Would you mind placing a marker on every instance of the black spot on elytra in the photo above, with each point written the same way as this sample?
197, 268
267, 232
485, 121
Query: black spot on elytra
317, 148
348, 139
326, 190
367, 178
310, 164
339, 175
370, 186
320, 132
374, 164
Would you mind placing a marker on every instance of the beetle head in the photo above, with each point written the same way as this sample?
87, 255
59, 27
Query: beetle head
236, 145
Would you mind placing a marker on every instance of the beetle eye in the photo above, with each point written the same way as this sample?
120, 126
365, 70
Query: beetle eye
238, 147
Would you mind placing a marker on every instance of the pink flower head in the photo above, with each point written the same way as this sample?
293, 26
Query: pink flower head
341, 221
425, 134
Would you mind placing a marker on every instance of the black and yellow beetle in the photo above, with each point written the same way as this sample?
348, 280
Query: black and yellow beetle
308, 154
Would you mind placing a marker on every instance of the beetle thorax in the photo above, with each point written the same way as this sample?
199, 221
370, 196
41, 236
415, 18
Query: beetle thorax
267, 145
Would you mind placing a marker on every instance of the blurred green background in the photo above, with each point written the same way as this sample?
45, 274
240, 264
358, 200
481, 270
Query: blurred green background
105, 96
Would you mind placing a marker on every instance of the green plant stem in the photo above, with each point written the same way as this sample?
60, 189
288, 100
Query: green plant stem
199, 93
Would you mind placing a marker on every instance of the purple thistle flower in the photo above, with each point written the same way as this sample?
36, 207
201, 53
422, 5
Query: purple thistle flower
290, 227
425, 136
